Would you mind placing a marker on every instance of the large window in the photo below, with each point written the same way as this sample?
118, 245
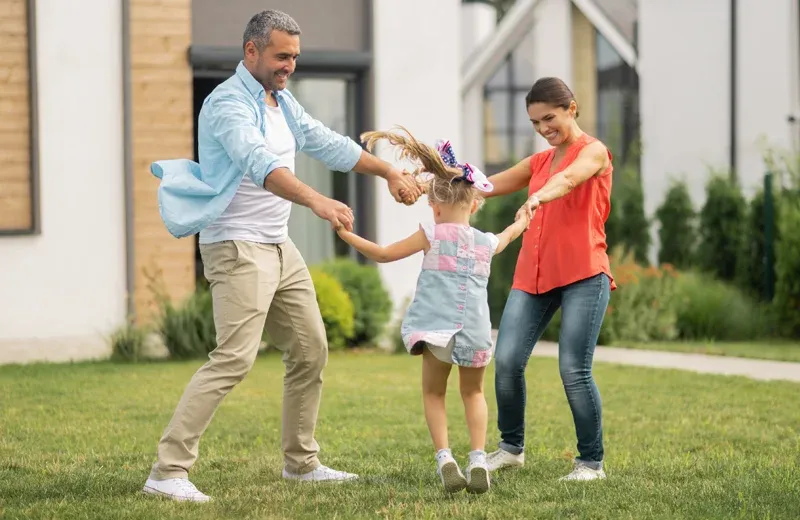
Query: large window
18, 165
509, 134
330, 100
617, 102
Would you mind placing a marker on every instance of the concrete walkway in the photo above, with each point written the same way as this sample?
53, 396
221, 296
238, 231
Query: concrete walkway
702, 363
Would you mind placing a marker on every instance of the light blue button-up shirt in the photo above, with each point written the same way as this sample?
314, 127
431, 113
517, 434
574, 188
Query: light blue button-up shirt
231, 143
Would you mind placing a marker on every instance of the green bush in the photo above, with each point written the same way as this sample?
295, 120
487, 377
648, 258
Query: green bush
677, 233
633, 227
127, 343
497, 214
188, 330
398, 347
371, 301
721, 226
787, 266
710, 309
335, 307
642, 306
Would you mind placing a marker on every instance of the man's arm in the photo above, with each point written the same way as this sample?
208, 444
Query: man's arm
341, 153
402, 185
233, 124
283, 183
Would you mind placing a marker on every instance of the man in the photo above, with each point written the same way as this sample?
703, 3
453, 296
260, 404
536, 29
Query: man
239, 198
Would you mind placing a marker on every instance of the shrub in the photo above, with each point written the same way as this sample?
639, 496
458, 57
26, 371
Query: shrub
398, 347
710, 309
335, 307
188, 330
642, 306
721, 226
677, 233
787, 266
371, 301
127, 343
497, 214
633, 226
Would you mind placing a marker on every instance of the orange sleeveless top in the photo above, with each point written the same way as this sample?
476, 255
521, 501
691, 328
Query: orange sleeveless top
566, 240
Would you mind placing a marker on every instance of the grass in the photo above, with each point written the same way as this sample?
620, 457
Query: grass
773, 351
77, 441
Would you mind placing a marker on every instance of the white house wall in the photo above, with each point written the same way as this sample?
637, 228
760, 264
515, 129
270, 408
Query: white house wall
417, 78
767, 73
62, 291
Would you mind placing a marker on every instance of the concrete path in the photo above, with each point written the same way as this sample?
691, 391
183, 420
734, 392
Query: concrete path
702, 363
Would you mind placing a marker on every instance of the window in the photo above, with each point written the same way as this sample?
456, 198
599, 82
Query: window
18, 164
617, 101
509, 134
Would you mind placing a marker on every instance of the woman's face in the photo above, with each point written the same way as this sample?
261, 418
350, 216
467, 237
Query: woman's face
553, 123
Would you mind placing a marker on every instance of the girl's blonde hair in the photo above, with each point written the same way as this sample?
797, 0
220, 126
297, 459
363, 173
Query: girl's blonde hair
443, 184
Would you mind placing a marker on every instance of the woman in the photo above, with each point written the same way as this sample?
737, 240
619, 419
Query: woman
562, 263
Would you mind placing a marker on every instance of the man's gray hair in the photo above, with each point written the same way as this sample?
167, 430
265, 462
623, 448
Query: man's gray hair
261, 25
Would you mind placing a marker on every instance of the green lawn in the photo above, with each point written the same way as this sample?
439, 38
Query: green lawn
774, 351
77, 442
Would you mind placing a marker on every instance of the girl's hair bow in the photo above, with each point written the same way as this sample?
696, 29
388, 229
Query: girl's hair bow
471, 174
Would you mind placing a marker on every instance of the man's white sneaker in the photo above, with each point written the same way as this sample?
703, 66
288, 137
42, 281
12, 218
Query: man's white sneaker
502, 459
321, 474
175, 488
584, 472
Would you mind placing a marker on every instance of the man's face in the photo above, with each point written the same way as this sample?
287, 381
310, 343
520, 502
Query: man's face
273, 66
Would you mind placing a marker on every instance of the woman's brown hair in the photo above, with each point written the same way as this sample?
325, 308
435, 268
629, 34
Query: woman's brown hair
551, 91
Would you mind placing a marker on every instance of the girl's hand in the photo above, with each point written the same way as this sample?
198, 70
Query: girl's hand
528, 210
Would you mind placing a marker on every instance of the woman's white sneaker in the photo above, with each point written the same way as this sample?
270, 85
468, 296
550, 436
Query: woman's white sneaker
584, 472
502, 459
179, 489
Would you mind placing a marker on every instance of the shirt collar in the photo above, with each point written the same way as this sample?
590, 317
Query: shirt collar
253, 86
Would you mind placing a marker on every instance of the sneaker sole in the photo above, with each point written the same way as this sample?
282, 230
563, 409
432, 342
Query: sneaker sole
452, 479
150, 491
478, 481
506, 466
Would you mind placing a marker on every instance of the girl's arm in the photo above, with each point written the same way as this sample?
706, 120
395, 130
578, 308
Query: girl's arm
511, 180
511, 233
397, 251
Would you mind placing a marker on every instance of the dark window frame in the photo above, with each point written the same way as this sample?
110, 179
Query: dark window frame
33, 130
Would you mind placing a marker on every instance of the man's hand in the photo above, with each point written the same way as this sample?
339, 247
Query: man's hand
402, 186
335, 212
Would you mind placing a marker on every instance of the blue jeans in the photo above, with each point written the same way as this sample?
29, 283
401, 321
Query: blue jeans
525, 317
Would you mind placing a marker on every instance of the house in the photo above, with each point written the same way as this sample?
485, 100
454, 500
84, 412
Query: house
94, 91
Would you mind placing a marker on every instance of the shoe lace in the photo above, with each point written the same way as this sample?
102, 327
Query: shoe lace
187, 486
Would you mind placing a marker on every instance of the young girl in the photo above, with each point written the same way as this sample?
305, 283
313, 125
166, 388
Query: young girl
448, 321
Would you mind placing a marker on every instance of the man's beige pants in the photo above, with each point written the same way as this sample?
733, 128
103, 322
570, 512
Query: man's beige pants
252, 284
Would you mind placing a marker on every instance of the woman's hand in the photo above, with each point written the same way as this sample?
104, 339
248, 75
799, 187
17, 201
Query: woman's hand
528, 210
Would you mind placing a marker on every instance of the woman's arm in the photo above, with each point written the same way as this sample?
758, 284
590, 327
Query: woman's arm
397, 251
511, 180
592, 160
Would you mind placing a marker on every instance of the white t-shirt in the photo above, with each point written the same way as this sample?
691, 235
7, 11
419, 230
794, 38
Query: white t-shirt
255, 214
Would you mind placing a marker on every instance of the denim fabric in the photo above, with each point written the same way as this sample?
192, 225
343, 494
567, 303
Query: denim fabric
526, 316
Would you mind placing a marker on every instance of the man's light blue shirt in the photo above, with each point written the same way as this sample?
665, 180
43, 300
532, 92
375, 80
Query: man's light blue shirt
231, 143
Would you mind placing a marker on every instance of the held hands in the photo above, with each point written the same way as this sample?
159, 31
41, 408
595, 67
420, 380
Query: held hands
335, 212
402, 186
527, 210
